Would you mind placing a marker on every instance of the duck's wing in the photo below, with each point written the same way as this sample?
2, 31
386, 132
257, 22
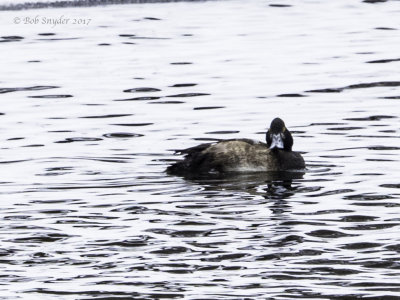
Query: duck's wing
195, 149
248, 141
201, 147
193, 160
212, 157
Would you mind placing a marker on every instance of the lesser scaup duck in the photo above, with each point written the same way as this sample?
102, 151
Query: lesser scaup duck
242, 155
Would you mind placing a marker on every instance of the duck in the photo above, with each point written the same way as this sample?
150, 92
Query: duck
242, 155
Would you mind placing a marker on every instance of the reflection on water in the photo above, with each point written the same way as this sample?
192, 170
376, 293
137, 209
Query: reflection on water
90, 117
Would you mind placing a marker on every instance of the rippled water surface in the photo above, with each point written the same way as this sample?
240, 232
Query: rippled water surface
90, 116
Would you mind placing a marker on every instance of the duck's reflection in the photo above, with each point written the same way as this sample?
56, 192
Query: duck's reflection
260, 200
281, 185
276, 185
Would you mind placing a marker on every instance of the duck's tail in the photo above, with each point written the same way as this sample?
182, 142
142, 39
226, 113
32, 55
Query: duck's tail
178, 168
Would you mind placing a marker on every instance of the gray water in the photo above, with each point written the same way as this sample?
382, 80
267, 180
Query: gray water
91, 114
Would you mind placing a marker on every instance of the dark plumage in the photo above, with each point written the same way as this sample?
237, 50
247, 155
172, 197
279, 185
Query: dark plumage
242, 155
280, 134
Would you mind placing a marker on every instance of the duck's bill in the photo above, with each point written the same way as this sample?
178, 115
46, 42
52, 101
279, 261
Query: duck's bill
277, 142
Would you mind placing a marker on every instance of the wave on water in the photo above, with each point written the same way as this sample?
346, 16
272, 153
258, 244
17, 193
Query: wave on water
6, 5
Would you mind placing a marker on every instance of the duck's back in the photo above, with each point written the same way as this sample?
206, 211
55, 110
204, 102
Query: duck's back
242, 155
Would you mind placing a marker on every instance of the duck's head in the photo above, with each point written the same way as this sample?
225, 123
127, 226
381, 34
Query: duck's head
278, 137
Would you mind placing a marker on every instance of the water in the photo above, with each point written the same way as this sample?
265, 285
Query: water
91, 114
